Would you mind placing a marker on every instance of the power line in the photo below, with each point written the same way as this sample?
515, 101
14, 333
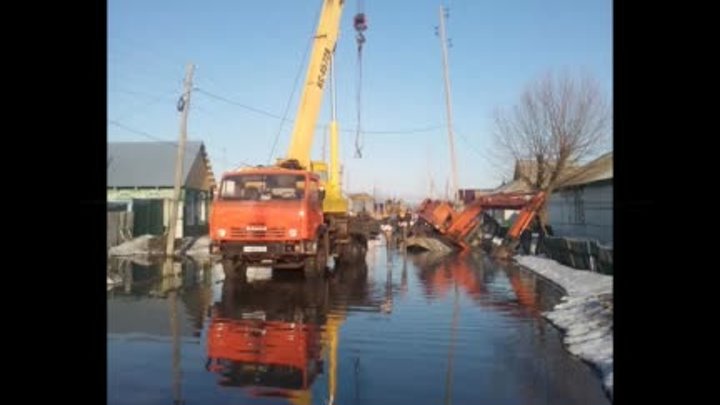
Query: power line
292, 93
472, 147
141, 133
164, 141
323, 126
165, 96
406, 131
245, 106
487, 159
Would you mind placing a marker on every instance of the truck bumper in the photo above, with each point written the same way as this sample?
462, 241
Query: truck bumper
277, 254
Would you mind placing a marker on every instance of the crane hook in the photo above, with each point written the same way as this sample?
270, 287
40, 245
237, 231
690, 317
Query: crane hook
360, 23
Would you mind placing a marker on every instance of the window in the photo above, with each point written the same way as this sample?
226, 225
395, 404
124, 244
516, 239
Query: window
203, 206
263, 187
313, 191
579, 206
190, 208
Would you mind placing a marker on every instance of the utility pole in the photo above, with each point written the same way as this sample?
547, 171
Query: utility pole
184, 108
444, 43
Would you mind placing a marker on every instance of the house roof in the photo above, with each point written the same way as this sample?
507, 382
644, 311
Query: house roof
150, 164
361, 197
515, 186
529, 169
596, 170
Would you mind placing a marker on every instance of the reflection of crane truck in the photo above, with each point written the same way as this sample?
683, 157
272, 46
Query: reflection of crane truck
258, 339
269, 339
293, 214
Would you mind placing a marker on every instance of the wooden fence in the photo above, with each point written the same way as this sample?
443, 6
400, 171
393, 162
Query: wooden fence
581, 254
119, 227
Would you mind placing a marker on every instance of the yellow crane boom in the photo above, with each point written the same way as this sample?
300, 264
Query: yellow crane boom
320, 66
315, 82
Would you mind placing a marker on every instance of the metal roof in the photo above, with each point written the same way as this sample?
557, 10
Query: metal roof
597, 170
148, 164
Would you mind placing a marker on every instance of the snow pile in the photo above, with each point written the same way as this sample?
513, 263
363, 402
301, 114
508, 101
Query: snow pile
196, 247
155, 245
430, 244
586, 313
142, 245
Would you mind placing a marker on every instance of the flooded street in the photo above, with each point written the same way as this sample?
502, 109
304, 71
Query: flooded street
403, 329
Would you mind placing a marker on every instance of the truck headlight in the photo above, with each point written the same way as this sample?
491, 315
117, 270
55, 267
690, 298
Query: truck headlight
292, 232
222, 232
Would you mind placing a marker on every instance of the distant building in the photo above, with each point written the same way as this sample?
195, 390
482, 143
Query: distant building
362, 202
140, 179
468, 195
524, 172
583, 206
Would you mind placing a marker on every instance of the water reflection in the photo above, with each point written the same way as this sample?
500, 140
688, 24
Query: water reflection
269, 337
400, 328
487, 283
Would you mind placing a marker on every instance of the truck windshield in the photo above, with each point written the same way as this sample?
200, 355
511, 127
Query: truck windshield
263, 187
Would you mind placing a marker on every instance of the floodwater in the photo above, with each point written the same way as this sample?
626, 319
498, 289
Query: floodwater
402, 329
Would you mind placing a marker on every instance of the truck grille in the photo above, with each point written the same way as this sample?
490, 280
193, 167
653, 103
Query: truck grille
272, 232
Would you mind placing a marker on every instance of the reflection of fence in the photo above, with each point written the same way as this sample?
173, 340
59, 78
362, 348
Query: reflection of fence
119, 227
578, 253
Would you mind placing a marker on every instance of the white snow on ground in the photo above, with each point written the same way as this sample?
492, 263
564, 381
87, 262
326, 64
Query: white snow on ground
145, 244
199, 248
586, 313
154, 245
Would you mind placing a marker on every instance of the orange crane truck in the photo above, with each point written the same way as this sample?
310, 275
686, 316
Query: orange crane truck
293, 214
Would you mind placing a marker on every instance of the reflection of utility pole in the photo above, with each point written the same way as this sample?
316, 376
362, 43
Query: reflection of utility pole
403, 275
388, 304
451, 350
175, 330
183, 107
127, 275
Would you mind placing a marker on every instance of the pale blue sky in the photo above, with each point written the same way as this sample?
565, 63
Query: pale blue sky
249, 52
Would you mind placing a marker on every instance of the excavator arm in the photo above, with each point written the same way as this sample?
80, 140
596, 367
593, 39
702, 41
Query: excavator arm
457, 227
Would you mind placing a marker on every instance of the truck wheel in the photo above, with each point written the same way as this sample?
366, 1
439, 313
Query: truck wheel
355, 251
315, 265
234, 270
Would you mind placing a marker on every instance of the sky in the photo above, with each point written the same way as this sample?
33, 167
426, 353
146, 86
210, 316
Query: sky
248, 55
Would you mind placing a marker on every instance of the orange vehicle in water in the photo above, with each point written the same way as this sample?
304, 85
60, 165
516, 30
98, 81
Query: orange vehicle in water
271, 216
276, 339
294, 214
460, 228
270, 354
268, 339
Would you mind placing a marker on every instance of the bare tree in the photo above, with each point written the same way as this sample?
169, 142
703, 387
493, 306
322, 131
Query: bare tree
559, 121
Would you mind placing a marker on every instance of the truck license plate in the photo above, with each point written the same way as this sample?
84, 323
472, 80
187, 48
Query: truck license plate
254, 273
255, 249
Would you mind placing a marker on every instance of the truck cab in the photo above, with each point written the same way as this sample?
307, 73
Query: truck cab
270, 216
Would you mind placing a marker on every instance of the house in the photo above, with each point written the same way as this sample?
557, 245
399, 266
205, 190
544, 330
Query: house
361, 202
468, 195
140, 179
583, 206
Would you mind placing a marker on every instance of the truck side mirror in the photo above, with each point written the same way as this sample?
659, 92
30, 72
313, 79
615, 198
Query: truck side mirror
321, 194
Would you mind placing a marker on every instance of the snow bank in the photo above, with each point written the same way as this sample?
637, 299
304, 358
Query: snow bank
431, 244
155, 245
142, 245
586, 313
199, 247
